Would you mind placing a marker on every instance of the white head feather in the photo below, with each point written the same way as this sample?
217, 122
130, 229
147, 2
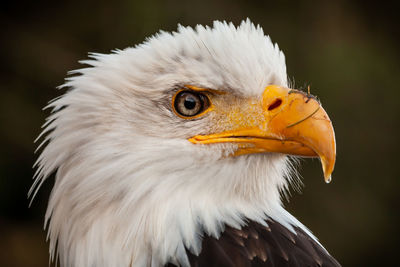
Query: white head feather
130, 189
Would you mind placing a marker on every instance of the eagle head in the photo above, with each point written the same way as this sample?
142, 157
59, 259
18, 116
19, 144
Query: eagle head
155, 146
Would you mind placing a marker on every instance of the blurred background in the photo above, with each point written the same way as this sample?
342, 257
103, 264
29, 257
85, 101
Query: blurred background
348, 51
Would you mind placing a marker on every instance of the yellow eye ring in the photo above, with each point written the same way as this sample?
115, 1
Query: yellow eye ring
190, 104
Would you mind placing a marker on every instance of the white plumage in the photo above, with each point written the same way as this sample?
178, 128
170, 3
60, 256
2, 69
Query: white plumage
130, 190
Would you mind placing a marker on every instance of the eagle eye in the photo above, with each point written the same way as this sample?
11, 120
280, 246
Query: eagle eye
189, 103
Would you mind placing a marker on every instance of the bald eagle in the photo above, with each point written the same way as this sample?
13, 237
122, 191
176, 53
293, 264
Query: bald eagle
175, 153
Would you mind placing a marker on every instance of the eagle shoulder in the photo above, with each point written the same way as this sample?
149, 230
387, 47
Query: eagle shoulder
259, 245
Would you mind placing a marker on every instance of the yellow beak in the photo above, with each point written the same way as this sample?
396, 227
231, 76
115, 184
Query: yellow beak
293, 123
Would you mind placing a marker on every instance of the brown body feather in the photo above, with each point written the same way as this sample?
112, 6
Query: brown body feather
258, 245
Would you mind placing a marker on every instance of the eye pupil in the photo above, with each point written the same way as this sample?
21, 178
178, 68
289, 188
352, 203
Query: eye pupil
190, 103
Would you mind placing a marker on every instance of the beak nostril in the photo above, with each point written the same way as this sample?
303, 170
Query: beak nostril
275, 104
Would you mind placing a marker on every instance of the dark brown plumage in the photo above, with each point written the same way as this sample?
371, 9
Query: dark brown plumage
258, 245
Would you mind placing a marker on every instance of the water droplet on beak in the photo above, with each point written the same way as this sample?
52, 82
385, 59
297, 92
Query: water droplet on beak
328, 179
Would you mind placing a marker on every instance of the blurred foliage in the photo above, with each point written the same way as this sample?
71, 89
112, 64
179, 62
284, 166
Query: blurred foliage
347, 50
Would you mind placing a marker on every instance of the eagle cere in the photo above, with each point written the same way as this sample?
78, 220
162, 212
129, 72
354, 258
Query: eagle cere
174, 152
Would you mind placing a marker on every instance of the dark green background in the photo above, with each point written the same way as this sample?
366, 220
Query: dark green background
347, 51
